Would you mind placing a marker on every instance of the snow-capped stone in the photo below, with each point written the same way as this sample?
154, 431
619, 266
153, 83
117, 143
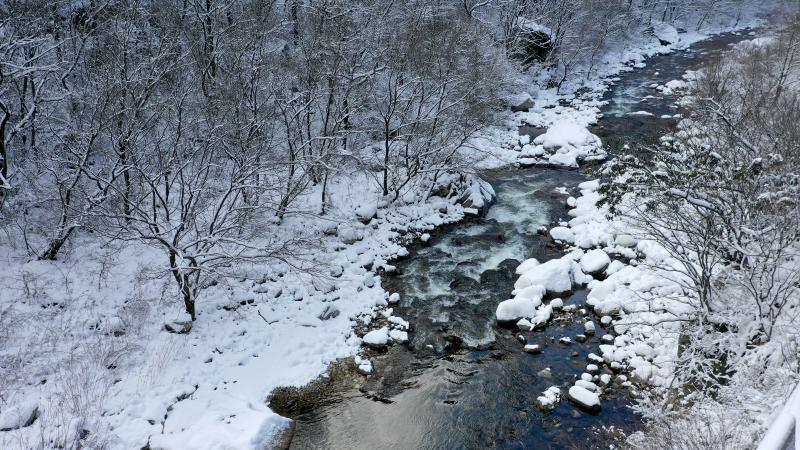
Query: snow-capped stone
369, 280
398, 322
584, 398
614, 267
568, 142
523, 304
625, 240
398, 336
542, 316
364, 365
556, 303
179, 327
526, 265
549, 398
410, 197
588, 328
524, 324
595, 261
394, 298
562, 234
666, 33
350, 235
365, 213
532, 348
588, 385
377, 338
554, 275
594, 358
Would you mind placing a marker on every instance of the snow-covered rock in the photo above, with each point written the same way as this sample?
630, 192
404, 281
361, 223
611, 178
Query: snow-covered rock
585, 398
549, 398
365, 213
398, 336
377, 338
523, 305
595, 261
364, 365
532, 348
18, 416
665, 33
562, 234
555, 276
588, 385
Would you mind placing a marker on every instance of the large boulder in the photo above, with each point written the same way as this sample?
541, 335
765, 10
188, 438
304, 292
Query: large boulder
18, 416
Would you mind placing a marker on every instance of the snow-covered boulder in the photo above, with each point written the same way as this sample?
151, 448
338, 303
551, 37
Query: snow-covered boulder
477, 196
594, 261
523, 305
665, 33
555, 276
18, 416
526, 265
350, 235
562, 234
365, 213
625, 240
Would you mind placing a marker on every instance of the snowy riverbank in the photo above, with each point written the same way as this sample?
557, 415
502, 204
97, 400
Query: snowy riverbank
639, 289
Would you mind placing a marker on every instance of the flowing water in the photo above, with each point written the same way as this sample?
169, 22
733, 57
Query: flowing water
463, 381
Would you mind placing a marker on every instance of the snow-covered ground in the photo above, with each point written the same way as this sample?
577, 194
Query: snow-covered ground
86, 345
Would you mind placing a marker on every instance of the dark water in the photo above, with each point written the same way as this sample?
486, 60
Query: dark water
463, 381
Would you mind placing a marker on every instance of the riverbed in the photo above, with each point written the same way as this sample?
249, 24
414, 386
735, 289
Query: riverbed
463, 381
